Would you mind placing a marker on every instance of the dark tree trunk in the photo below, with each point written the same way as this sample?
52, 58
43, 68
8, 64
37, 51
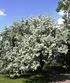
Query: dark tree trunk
41, 62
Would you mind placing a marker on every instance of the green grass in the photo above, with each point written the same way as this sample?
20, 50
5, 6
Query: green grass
32, 79
5, 79
52, 74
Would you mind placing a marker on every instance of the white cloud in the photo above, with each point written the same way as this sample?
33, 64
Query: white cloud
60, 21
61, 13
2, 13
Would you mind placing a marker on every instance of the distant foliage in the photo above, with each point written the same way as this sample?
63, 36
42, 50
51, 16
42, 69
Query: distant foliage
31, 44
64, 5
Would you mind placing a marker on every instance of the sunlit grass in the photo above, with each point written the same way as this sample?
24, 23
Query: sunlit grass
5, 79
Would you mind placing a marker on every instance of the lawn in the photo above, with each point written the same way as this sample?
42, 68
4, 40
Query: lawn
31, 79
5, 79
52, 75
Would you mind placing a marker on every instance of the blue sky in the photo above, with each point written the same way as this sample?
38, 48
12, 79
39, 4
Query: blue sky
12, 10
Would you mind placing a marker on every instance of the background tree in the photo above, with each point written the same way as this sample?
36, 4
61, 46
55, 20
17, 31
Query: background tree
64, 5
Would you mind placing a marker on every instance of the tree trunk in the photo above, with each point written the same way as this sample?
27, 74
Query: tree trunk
41, 62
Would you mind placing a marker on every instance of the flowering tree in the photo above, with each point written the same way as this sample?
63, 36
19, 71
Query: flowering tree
31, 44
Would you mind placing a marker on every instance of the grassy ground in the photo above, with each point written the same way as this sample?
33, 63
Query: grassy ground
5, 79
32, 79
44, 77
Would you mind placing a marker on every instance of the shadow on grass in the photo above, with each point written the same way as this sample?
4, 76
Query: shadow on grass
47, 79
49, 76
